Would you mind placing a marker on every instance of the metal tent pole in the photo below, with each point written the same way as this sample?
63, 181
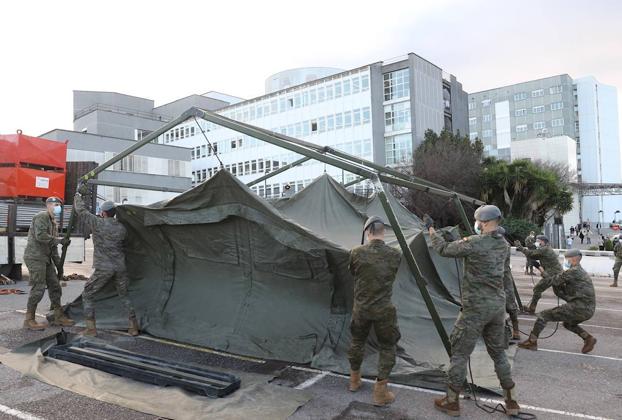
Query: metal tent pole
412, 264
463, 216
278, 171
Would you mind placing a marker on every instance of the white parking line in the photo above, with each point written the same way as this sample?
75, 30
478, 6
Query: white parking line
17, 413
581, 354
583, 325
309, 382
598, 308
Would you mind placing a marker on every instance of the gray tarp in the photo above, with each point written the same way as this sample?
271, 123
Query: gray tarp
220, 267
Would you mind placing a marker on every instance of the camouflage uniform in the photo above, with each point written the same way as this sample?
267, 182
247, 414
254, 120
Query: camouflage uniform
108, 258
550, 263
374, 267
530, 243
617, 251
508, 286
41, 257
580, 306
483, 303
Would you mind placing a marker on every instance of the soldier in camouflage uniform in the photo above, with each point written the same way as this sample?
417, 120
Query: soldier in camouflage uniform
580, 306
483, 306
41, 257
549, 261
108, 260
510, 299
374, 267
530, 243
617, 251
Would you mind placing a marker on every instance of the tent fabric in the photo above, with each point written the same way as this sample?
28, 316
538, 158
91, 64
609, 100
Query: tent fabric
220, 267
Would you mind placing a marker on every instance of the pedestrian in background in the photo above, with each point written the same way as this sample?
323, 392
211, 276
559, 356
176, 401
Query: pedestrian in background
569, 242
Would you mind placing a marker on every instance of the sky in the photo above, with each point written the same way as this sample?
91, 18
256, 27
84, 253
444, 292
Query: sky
165, 50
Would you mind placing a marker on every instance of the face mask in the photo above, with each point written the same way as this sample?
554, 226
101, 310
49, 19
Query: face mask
57, 210
567, 265
538, 244
477, 228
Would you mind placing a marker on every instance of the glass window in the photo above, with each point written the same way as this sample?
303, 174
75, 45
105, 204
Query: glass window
396, 85
338, 89
486, 133
192, 154
364, 82
203, 150
487, 118
356, 117
539, 125
321, 124
356, 85
321, 94
330, 123
538, 109
306, 127
557, 106
520, 112
283, 104
398, 149
298, 129
473, 121
192, 131
556, 89
520, 96
329, 92
557, 122
338, 121
537, 93
297, 100
473, 135
313, 126
312, 96
472, 105
347, 119
252, 112
259, 111
305, 98
397, 117
521, 128
346, 87
366, 115
485, 103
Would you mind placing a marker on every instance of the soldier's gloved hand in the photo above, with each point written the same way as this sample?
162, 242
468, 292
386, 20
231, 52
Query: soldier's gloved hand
517, 244
65, 241
83, 188
428, 221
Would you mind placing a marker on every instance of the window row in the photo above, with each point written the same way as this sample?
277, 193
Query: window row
397, 117
331, 122
203, 151
398, 149
520, 96
179, 133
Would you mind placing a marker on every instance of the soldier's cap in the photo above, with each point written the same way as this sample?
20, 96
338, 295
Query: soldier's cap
572, 253
107, 206
54, 200
372, 220
542, 238
487, 212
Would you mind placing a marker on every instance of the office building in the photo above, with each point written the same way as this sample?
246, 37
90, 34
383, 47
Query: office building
582, 109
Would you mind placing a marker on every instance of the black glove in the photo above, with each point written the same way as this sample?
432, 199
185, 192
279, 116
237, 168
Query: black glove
428, 221
83, 189
65, 241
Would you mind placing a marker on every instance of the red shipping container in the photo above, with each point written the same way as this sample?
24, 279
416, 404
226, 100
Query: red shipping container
26, 182
25, 150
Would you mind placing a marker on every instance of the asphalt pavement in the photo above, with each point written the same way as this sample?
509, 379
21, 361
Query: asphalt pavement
556, 382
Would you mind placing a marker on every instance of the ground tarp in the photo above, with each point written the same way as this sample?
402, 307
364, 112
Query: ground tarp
220, 267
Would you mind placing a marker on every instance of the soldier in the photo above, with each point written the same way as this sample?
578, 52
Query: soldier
41, 256
374, 267
530, 243
108, 260
550, 265
580, 306
483, 307
617, 251
510, 299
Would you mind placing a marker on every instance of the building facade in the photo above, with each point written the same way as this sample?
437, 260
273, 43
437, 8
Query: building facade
583, 110
378, 111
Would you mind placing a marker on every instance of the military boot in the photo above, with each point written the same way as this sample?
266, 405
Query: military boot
91, 330
449, 404
588, 344
530, 344
355, 380
511, 406
382, 395
30, 322
133, 329
615, 283
61, 320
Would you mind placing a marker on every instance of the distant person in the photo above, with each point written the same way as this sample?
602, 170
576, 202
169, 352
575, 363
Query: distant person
374, 266
571, 230
588, 237
579, 307
43, 262
617, 251
601, 243
530, 243
581, 236
569, 242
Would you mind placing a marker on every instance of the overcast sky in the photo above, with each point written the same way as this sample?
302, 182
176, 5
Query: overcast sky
166, 50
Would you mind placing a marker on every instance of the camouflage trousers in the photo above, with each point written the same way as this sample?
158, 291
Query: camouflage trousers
97, 282
388, 334
570, 315
616, 269
544, 283
42, 276
473, 323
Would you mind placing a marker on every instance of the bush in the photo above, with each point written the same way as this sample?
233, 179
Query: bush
593, 248
608, 245
518, 229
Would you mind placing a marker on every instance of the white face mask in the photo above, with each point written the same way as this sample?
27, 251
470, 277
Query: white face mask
57, 210
567, 264
477, 228
538, 244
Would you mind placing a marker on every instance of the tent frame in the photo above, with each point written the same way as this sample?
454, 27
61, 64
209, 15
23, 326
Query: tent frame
361, 167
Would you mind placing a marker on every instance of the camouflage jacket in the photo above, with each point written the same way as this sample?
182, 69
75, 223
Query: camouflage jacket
108, 238
42, 239
530, 242
485, 258
374, 267
578, 288
547, 257
617, 250
508, 279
